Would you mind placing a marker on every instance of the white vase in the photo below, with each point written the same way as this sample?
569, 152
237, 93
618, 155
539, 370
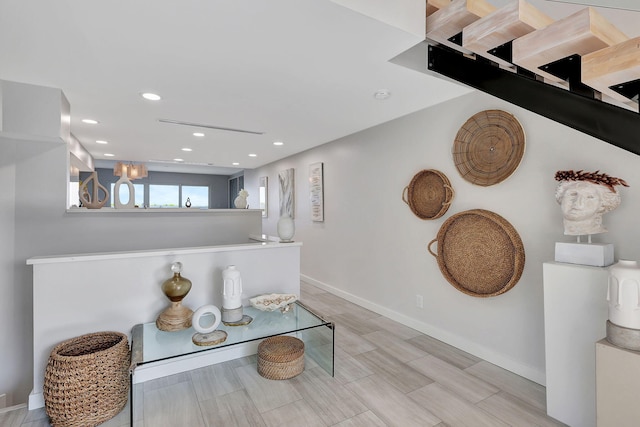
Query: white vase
623, 294
124, 179
286, 228
231, 288
240, 202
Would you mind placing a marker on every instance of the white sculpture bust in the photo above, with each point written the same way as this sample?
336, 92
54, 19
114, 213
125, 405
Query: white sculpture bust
584, 198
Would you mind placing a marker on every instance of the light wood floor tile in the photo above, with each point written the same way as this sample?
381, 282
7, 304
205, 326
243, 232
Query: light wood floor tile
399, 348
353, 323
309, 289
390, 405
347, 368
398, 329
328, 398
318, 306
351, 342
297, 413
366, 419
398, 374
214, 380
453, 410
36, 423
174, 405
522, 388
456, 380
266, 394
120, 420
36, 414
235, 409
516, 412
166, 381
13, 418
446, 352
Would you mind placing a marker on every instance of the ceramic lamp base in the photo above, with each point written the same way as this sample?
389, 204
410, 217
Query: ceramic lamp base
174, 318
212, 338
230, 315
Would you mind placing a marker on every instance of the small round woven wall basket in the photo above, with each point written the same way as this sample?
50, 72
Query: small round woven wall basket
479, 253
429, 194
87, 379
489, 147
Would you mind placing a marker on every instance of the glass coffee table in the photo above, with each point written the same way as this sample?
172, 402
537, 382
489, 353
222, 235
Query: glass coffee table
151, 346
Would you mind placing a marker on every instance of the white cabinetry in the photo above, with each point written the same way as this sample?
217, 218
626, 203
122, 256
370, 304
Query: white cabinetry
575, 315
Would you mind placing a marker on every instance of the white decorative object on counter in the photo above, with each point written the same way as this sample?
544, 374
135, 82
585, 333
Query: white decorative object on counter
286, 229
241, 201
207, 335
584, 198
117, 201
624, 293
272, 302
231, 295
203, 311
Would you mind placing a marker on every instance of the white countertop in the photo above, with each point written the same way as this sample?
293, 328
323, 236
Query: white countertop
268, 243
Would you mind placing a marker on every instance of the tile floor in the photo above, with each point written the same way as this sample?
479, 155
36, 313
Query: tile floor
386, 374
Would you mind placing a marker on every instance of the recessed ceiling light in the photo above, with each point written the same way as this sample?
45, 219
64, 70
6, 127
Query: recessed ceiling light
235, 164
109, 155
278, 143
90, 121
187, 149
178, 160
151, 96
198, 134
101, 142
253, 155
381, 94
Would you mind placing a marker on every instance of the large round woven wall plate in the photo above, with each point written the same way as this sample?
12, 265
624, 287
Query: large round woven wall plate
429, 194
479, 253
489, 147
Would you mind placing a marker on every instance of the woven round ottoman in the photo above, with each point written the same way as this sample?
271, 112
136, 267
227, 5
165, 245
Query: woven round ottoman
281, 357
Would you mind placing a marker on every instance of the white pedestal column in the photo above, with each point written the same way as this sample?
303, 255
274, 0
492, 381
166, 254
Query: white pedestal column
575, 315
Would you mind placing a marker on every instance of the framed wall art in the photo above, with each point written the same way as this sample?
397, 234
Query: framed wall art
316, 191
263, 186
287, 194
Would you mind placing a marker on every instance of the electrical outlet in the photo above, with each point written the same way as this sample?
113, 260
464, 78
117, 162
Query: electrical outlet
419, 301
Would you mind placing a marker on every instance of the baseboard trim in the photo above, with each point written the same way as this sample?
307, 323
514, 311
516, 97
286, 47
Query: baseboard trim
478, 350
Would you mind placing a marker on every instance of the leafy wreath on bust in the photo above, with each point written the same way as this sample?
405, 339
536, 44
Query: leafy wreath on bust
593, 177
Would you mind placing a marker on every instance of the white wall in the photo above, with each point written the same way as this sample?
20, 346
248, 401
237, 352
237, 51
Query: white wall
372, 249
33, 166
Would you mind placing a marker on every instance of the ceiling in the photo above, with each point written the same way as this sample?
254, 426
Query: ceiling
303, 72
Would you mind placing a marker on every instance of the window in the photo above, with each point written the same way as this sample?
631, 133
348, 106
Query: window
138, 189
164, 196
198, 196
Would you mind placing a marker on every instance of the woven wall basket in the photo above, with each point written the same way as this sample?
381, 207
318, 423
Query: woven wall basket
429, 194
489, 147
479, 253
87, 379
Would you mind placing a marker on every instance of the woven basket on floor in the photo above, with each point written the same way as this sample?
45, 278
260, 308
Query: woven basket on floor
87, 379
479, 253
281, 357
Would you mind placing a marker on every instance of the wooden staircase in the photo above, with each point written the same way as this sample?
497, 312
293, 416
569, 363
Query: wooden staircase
580, 70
